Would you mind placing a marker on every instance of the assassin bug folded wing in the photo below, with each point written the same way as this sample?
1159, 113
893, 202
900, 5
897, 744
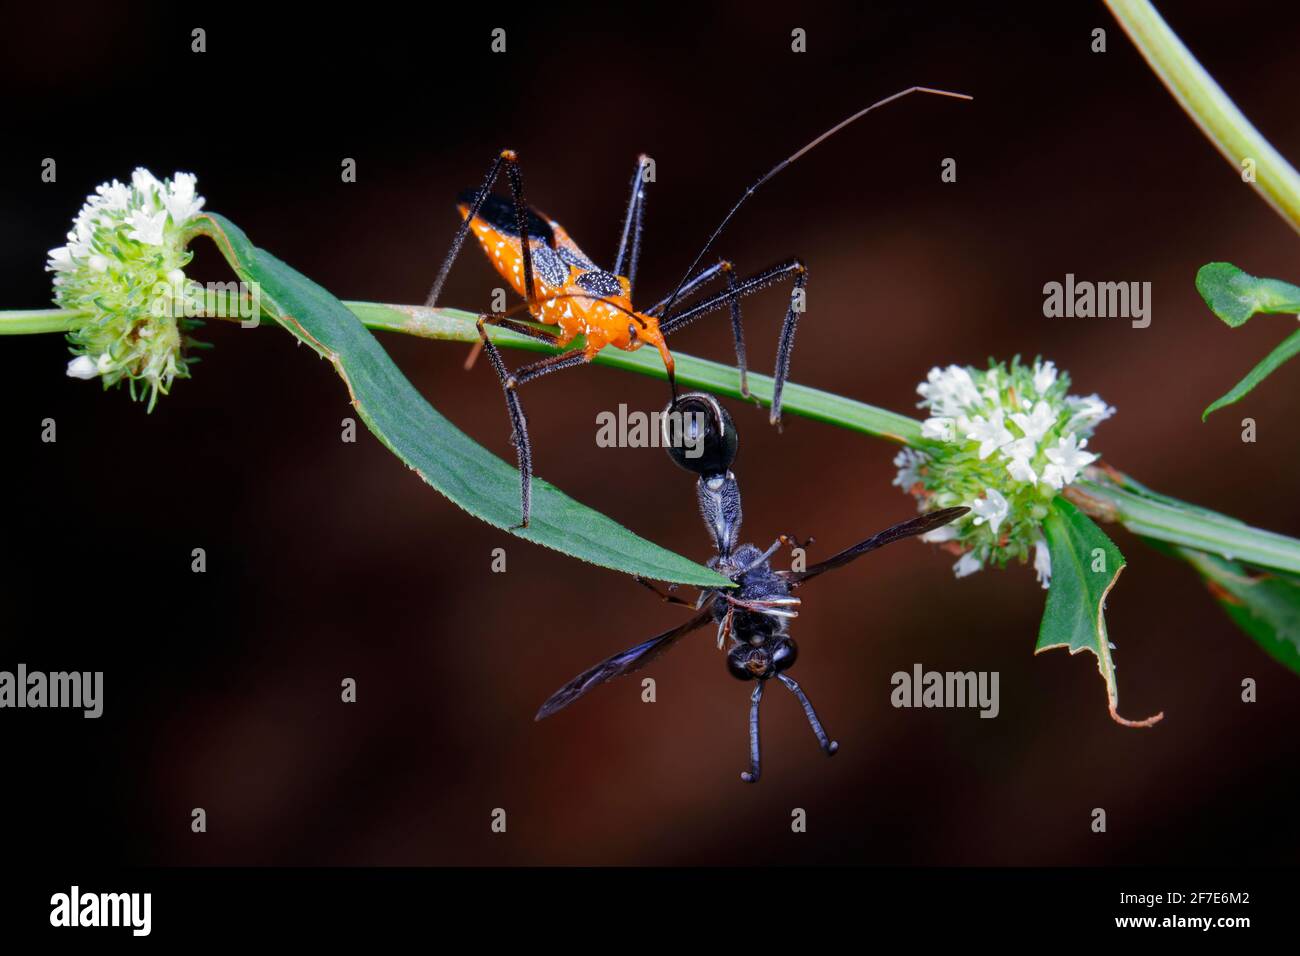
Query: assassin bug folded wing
499, 213
622, 663
904, 529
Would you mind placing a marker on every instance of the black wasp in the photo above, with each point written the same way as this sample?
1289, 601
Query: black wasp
754, 616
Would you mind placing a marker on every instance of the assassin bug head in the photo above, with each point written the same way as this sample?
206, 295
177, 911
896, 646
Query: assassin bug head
699, 434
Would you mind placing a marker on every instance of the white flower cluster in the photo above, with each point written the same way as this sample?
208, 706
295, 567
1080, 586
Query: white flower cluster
1003, 442
123, 263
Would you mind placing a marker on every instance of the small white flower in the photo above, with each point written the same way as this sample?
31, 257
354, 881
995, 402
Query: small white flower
991, 434
968, 564
180, 201
1025, 448
1038, 423
82, 367
938, 428
992, 507
1067, 460
1088, 411
145, 183
948, 391
908, 462
1043, 563
1021, 470
114, 196
60, 260
147, 227
1044, 376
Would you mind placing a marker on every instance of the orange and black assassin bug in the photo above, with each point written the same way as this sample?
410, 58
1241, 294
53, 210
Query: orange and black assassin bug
565, 291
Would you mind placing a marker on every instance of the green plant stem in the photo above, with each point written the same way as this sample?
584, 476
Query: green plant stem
456, 326
1209, 106
1110, 496
37, 321
1103, 494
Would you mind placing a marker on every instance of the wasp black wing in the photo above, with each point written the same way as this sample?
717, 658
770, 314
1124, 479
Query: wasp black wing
622, 663
905, 529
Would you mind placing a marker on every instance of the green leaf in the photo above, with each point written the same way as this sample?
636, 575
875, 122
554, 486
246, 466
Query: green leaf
1234, 295
1266, 605
1272, 362
415, 432
1085, 566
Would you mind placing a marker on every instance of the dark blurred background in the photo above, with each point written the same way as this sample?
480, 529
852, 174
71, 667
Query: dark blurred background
328, 560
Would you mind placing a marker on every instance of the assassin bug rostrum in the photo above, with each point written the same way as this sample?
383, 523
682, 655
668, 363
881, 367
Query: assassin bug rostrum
567, 295
754, 615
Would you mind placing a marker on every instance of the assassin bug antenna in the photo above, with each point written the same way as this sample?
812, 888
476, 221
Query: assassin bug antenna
672, 299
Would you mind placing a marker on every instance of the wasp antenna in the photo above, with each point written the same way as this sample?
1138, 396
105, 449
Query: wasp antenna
672, 299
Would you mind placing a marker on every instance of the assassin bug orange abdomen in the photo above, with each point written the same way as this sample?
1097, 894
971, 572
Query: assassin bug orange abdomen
570, 296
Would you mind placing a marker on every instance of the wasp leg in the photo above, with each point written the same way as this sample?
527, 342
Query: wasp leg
751, 776
510, 160
724, 629
828, 745
736, 291
773, 608
666, 598
518, 421
762, 558
629, 246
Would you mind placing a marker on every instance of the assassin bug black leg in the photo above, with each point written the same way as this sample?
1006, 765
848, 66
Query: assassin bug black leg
509, 159
509, 383
738, 335
734, 293
785, 345
518, 424
552, 363
704, 275
629, 246
830, 746
523, 328
751, 775
726, 268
